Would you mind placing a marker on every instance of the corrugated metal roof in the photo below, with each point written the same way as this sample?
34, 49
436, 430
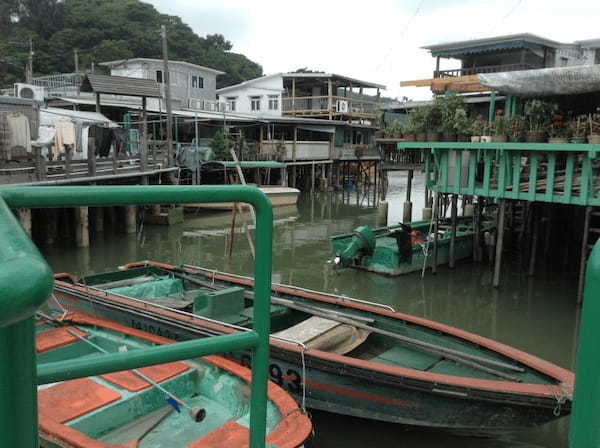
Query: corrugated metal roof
160, 61
496, 40
120, 85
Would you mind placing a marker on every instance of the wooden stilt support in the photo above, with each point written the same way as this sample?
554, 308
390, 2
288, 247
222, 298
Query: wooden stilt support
407, 215
312, 179
82, 234
535, 230
51, 216
99, 219
477, 253
454, 214
436, 218
130, 219
584, 253
232, 232
24, 215
499, 242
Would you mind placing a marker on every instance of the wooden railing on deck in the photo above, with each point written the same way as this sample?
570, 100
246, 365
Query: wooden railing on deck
558, 173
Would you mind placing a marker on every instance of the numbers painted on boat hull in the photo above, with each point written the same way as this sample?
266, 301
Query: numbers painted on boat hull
288, 378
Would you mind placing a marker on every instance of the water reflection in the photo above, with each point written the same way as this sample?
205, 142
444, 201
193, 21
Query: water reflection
536, 314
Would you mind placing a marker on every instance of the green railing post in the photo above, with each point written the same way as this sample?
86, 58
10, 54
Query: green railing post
20, 259
585, 430
492, 108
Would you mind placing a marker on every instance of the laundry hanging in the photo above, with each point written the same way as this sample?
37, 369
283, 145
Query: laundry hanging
20, 132
65, 136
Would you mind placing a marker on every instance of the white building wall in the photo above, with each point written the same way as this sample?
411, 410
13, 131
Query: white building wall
263, 88
181, 80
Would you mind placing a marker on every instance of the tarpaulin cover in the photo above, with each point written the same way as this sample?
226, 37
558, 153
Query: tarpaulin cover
163, 286
546, 81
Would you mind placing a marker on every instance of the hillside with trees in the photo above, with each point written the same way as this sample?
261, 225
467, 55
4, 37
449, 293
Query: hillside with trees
104, 30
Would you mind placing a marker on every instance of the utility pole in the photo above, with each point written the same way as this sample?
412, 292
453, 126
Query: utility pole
76, 55
29, 71
167, 82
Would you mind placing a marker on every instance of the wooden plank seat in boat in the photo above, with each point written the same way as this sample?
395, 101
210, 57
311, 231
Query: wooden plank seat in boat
325, 334
133, 383
71, 399
402, 356
55, 338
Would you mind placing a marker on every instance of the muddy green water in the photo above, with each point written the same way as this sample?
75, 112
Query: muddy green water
536, 314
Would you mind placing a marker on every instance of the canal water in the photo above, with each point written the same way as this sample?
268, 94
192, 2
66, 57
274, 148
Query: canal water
536, 314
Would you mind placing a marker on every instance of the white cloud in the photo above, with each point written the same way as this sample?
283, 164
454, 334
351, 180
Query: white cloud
371, 40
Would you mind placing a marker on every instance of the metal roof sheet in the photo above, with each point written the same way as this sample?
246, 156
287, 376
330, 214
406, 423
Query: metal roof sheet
120, 85
184, 63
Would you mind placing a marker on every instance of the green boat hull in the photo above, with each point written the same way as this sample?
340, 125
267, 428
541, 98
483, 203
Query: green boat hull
381, 385
384, 259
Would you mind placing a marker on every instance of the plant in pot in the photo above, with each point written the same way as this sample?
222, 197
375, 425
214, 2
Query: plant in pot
433, 122
462, 125
484, 130
394, 130
500, 129
478, 128
447, 106
538, 113
594, 127
578, 129
558, 133
418, 121
516, 128
409, 131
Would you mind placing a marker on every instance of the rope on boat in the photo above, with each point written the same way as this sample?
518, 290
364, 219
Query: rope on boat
425, 248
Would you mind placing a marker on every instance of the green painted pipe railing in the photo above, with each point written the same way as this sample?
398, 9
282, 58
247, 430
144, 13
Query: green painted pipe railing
584, 429
26, 282
544, 172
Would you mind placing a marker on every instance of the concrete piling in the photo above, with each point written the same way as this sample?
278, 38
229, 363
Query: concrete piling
130, 219
82, 234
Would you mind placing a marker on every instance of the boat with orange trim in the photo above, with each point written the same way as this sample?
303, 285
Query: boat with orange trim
339, 354
197, 403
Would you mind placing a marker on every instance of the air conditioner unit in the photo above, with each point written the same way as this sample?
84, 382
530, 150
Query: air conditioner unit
341, 106
29, 91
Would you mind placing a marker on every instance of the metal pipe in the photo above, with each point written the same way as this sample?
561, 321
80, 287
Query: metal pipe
19, 300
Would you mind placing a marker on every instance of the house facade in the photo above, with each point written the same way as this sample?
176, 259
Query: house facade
259, 96
192, 86
515, 52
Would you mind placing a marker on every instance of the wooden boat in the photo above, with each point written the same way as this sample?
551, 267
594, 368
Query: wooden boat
279, 197
400, 249
131, 408
339, 354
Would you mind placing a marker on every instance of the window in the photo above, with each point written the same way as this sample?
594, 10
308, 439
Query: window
273, 102
564, 62
197, 82
255, 103
231, 103
159, 76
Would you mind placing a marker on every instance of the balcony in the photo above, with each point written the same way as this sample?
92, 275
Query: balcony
325, 106
466, 71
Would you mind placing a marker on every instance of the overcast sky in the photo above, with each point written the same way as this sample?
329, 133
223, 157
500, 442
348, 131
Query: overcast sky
375, 40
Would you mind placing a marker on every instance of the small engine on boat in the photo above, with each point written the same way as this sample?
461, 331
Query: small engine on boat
363, 243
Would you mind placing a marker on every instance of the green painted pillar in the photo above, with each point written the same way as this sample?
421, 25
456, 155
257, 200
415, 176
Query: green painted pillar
18, 386
492, 108
585, 430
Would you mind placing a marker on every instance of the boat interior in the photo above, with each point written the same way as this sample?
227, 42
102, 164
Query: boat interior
122, 407
320, 325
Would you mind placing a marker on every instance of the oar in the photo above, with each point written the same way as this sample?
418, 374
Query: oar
196, 413
455, 355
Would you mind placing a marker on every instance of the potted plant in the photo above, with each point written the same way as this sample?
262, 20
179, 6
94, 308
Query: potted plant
418, 120
409, 131
516, 128
537, 113
462, 125
479, 129
558, 133
447, 106
594, 124
578, 129
433, 122
500, 129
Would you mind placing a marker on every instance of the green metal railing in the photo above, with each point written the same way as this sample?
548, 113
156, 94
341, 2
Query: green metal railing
559, 173
584, 429
26, 282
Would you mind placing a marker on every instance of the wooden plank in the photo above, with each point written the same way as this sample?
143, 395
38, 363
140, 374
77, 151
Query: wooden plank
533, 168
416, 83
516, 168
